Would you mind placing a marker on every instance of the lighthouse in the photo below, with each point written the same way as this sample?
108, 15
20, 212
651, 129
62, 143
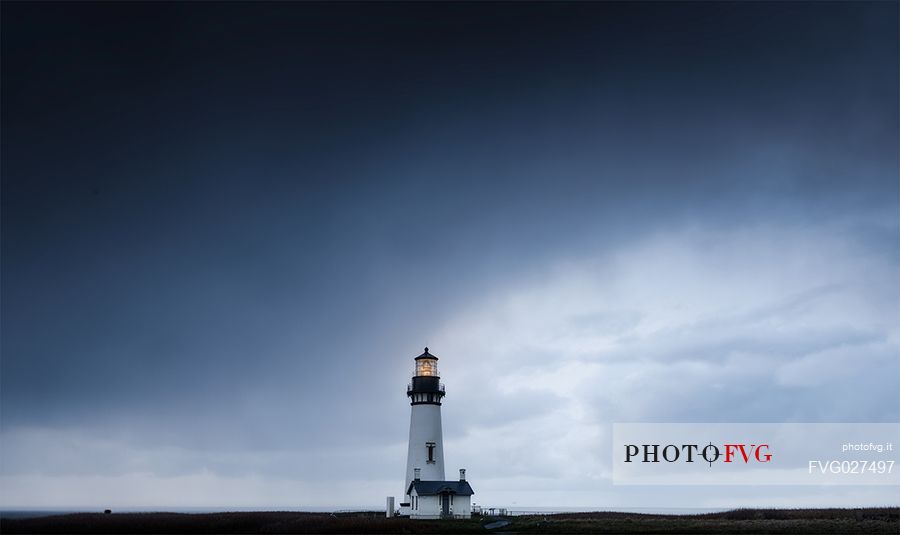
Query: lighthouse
427, 494
426, 440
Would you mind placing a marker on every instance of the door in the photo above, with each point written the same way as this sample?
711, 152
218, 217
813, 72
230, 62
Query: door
445, 504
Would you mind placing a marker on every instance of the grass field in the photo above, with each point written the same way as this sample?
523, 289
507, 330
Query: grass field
741, 521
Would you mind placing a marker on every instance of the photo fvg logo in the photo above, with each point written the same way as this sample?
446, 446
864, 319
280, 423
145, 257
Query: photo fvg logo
689, 453
755, 453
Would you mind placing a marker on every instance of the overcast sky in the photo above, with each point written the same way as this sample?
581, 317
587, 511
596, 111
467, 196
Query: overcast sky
228, 228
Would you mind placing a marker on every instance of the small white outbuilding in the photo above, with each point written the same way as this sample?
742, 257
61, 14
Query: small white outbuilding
440, 499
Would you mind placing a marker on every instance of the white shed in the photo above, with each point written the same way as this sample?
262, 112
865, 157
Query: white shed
440, 499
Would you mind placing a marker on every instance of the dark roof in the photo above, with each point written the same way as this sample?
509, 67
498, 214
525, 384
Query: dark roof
426, 355
429, 488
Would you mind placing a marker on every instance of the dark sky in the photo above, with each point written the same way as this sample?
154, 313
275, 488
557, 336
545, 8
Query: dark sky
227, 228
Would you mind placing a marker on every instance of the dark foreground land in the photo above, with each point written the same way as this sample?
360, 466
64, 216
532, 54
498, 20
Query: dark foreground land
744, 521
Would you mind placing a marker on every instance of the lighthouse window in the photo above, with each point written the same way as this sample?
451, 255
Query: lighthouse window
426, 368
430, 447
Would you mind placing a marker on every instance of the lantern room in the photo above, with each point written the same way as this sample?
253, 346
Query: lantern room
426, 365
426, 387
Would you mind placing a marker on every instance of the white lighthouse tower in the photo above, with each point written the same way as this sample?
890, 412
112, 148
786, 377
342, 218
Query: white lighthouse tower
426, 440
427, 494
